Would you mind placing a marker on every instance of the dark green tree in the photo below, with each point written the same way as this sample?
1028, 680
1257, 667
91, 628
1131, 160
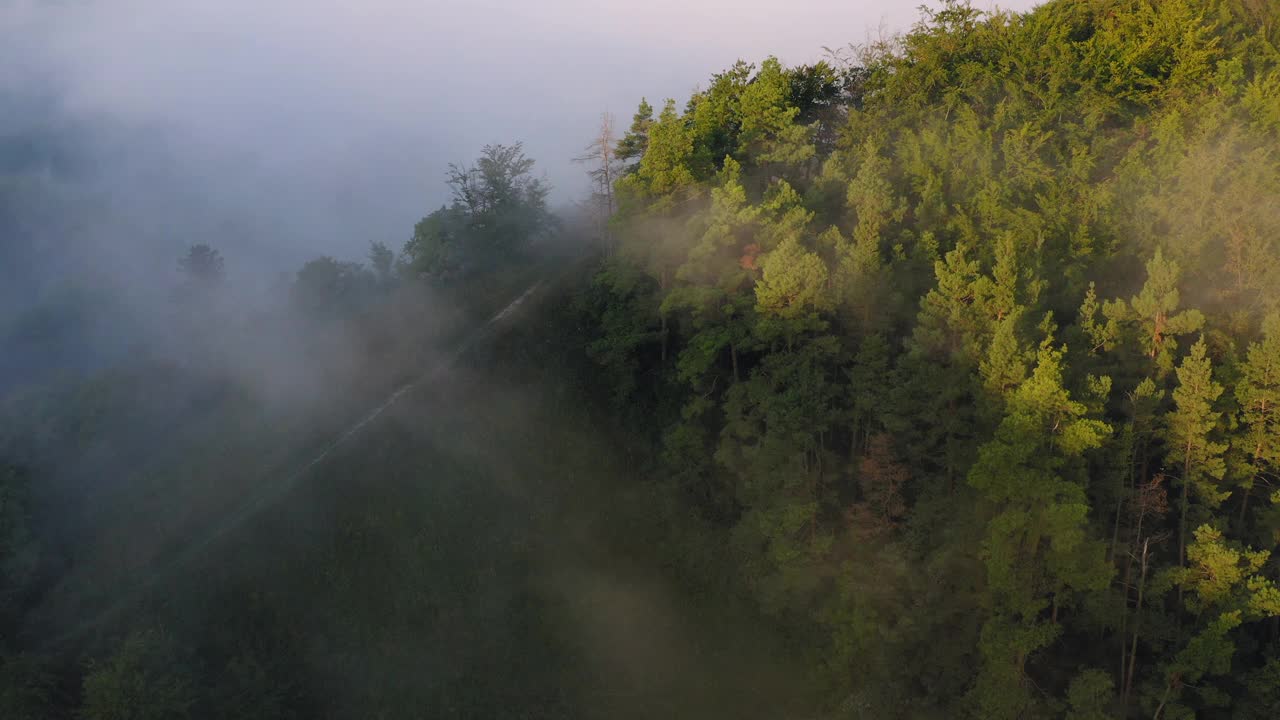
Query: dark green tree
632, 146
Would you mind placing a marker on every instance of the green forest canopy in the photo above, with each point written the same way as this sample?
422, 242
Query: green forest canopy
956, 357
969, 345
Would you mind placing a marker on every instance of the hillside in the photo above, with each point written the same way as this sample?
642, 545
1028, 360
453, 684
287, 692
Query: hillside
967, 346
938, 379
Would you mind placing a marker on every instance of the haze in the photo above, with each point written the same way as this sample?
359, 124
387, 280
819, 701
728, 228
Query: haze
934, 375
289, 129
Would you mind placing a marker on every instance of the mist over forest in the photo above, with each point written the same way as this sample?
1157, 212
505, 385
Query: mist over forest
516, 362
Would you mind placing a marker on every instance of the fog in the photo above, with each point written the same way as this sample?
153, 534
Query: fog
740, 450
279, 131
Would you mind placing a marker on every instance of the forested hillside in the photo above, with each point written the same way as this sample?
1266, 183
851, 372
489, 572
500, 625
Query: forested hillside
964, 349
135, 446
939, 379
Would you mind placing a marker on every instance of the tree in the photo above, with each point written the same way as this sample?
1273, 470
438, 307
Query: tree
768, 132
1029, 160
504, 207
860, 271
715, 119
1155, 312
203, 266
819, 92
715, 282
664, 170
1263, 692
944, 348
145, 679
1037, 551
632, 146
1189, 432
881, 479
793, 284
1258, 393
951, 325
326, 286
383, 262
1099, 336
438, 246
1089, 695
498, 210
775, 444
869, 378
1226, 588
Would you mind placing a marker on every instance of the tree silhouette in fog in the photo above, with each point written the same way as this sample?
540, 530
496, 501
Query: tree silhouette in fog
202, 266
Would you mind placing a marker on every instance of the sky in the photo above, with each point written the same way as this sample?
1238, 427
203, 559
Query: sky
329, 123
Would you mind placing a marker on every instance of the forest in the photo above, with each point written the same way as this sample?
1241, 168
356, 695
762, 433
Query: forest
937, 379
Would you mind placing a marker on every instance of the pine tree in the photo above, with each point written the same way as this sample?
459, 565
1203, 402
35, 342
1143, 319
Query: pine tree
768, 133
860, 271
715, 117
951, 324
1189, 432
633, 144
775, 442
1099, 336
1005, 364
869, 378
1037, 552
664, 170
1225, 588
715, 281
1155, 311
1258, 393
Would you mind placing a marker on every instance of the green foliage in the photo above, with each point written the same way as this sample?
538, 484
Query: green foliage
1090, 695
1258, 394
793, 283
901, 352
326, 286
1216, 572
437, 246
768, 131
1037, 551
715, 118
1189, 434
143, 680
773, 443
621, 306
664, 170
499, 208
881, 243
1225, 589
1263, 694
947, 320
633, 144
